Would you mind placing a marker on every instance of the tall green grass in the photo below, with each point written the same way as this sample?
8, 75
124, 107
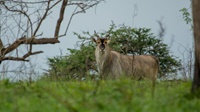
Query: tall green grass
89, 96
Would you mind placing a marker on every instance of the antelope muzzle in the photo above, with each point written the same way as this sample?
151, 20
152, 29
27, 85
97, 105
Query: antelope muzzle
102, 47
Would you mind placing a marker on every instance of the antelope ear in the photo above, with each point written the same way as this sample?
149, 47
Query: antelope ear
108, 41
94, 40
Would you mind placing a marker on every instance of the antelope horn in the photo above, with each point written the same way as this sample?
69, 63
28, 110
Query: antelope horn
95, 33
108, 34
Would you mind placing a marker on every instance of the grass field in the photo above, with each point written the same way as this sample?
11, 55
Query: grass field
89, 96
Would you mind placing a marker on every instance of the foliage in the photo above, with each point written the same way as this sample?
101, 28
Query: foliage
126, 40
187, 54
77, 65
123, 95
141, 41
73, 66
187, 16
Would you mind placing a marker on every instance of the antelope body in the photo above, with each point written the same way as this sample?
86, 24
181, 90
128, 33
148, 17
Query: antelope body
112, 64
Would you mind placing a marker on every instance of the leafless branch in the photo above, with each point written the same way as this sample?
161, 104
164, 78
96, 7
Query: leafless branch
60, 19
27, 2
43, 17
82, 6
69, 23
23, 16
187, 62
23, 58
21, 12
162, 29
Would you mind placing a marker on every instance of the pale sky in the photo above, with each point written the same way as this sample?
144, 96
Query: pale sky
121, 12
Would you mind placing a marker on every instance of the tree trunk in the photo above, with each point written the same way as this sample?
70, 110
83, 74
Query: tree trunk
196, 20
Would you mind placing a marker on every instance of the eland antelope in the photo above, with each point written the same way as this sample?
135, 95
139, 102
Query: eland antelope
112, 64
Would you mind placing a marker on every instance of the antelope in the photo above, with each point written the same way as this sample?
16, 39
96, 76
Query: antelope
112, 64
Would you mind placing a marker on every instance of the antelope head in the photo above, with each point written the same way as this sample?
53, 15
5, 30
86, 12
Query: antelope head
102, 43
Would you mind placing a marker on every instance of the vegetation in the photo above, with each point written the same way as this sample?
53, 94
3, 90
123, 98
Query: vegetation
187, 16
122, 95
81, 61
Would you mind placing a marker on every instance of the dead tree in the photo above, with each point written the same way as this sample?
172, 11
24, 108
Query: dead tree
21, 21
196, 20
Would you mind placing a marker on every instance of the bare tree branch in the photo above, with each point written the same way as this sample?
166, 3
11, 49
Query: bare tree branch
83, 7
33, 2
21, 58
22, 12
23, 16
43, 17
60, 19
162, 29
24, 40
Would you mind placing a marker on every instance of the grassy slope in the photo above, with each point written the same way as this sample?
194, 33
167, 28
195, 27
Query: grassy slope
110, 96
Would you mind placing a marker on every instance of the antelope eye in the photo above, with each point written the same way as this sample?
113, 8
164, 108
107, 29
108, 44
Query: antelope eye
98, 42
105, 42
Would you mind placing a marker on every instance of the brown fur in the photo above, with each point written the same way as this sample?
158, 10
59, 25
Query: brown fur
112, 64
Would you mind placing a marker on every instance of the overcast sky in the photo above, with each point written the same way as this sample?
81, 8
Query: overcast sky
122, 12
